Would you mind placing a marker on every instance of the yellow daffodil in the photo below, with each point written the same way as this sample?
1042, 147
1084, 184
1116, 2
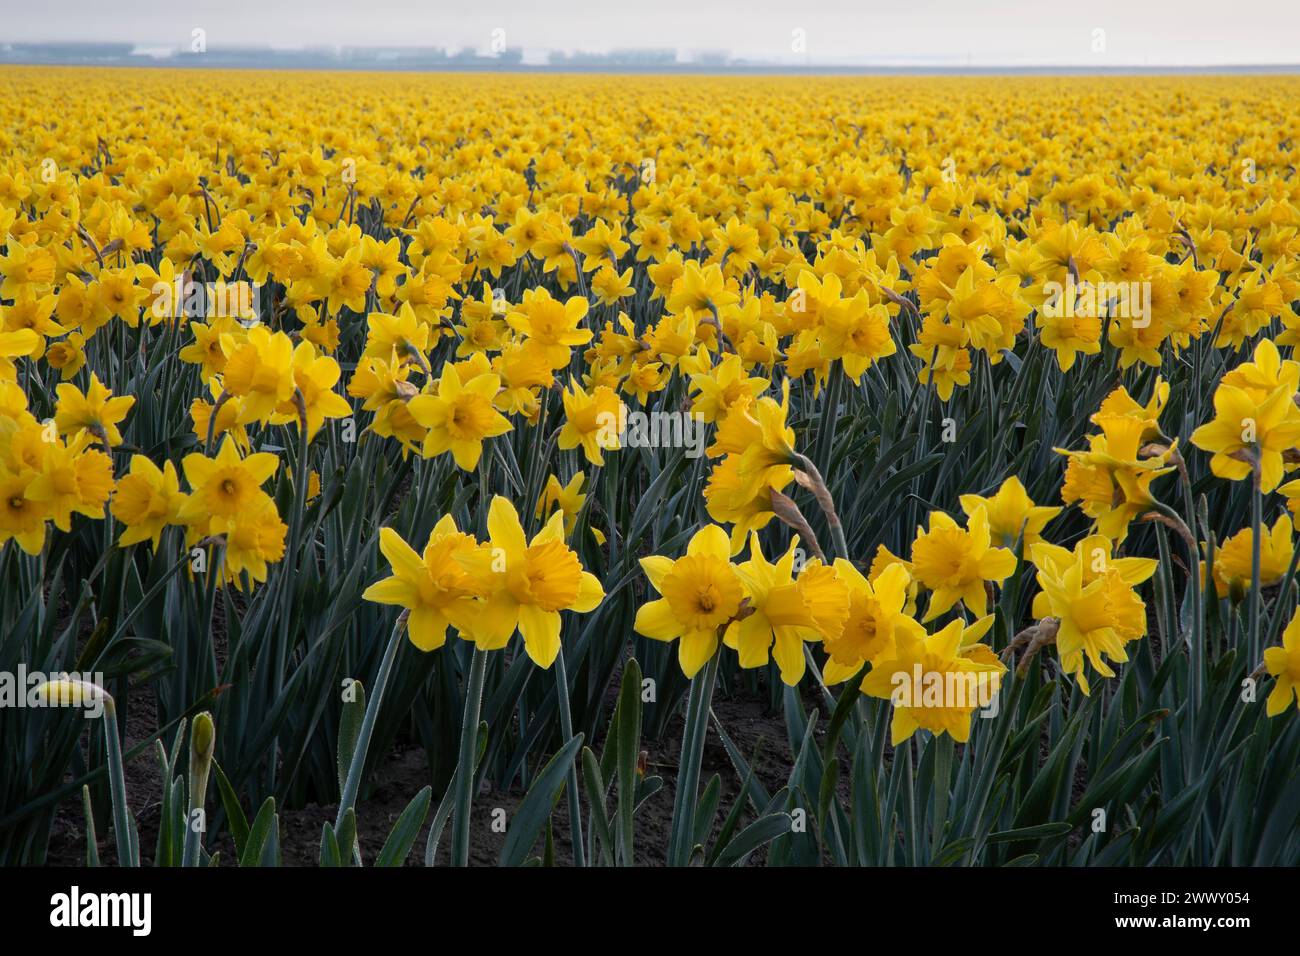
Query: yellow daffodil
97, 411
1283, 663
702, 594
1252, 426
1012, 514
936, 681
1109, 481
877, 610
224, 486
254, 538
147, 499
568, 498
957, 563
314, 377
73, 478
1234, 559
551, 327
434, 587
1092, 596
459, 417
259, 370
723, 388
786, 611
592, 420
525, 584
21, 517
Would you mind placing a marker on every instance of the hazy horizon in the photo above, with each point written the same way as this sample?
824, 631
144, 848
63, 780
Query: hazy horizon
942, 33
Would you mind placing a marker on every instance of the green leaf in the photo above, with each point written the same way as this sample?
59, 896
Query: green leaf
258, 834
347, 838
596, 804
1040, 832
354, 712
92, 844
763, 830
235, 818
707, 810
329, 847
629, 750
535, 809
398, 845
843, 710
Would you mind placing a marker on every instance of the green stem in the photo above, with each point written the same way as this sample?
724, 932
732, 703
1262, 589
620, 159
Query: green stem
292, 556
1196, 639
1198, 648
465, 766
1256, 522
352, 783
942, 780
117, 784
825, 501
912, 838
830, 418
688, 773
566, 731
1197, 635
202, 743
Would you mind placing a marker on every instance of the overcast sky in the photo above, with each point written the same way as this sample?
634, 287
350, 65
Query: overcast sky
1012, 32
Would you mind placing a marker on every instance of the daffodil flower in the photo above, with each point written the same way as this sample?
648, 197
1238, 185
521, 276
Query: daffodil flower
1011, 512
935, 681
702, 593
459, 416
525, 584
1284, 664
1092, 595
786, 612
955, 562
433, 586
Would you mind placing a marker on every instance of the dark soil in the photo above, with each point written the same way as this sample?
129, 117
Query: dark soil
748, 722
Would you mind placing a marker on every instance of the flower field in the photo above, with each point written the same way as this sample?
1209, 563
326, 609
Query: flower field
522, 426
